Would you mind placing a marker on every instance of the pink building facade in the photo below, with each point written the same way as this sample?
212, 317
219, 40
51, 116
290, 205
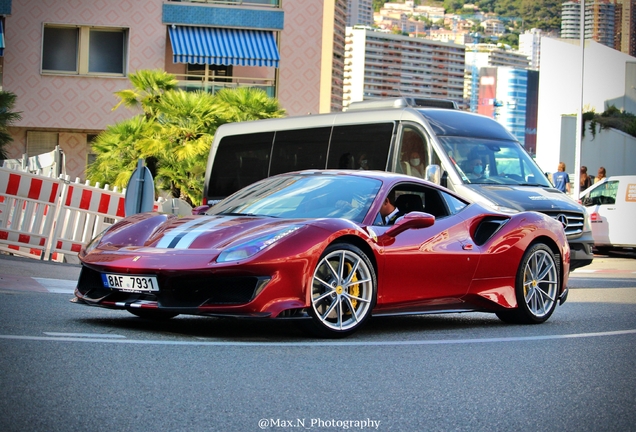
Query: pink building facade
69, 108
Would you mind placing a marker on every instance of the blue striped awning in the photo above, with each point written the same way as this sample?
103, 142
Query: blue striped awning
222, 46
1, 39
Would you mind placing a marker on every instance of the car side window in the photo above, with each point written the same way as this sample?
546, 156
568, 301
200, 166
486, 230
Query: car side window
455, 205
603, 194
407, 198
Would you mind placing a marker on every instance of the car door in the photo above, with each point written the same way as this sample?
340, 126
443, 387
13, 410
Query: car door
601, 205
620, 216
431, 265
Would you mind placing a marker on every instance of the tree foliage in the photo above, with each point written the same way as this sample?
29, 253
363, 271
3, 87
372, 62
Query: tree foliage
613, 118
7, 118
173, 134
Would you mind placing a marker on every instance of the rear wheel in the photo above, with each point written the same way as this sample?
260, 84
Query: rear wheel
343, 291
537, 288
153, 314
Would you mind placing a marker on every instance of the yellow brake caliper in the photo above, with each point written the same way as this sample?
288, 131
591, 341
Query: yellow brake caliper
354, 290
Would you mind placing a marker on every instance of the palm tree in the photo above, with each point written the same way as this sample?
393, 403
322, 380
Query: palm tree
148, 87
186, 126
174, 134
248, 103
117, 150
7, 118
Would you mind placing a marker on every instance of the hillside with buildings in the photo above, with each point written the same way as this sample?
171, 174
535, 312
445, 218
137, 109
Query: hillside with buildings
541, 14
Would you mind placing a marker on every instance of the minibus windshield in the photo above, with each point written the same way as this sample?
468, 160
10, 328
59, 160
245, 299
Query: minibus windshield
482, 161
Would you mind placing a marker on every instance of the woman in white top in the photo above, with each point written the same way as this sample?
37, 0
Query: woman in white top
413, 166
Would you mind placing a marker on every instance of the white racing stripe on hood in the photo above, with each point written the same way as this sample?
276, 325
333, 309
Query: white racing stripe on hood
174, 236
185, 241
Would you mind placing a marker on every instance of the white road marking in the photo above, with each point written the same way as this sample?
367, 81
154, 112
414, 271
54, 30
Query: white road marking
322, 343
91, 335
58, 286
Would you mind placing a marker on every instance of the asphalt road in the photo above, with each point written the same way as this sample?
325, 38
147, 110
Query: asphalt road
65, 367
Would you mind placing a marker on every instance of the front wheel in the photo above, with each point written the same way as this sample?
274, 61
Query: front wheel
538, 284
343, 290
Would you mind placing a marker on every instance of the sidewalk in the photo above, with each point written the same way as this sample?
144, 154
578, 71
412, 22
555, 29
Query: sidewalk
28, 274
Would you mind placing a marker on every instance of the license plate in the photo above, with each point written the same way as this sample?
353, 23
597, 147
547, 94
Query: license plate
130, 283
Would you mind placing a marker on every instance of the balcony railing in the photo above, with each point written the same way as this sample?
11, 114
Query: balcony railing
268, 3
213, 83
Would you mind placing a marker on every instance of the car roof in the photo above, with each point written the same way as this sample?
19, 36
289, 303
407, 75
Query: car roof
445, 122
623, 177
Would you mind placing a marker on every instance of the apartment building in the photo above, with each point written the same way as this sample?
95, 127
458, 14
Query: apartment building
65, 60
381, 65
625, 26
599, 21
530, 46
359, 12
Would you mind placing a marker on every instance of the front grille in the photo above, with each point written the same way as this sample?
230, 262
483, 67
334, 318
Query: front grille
178, 290
195, 290
575, 221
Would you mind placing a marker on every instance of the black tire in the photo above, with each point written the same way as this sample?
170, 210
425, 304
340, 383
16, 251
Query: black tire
537, 287
344, 289
153, 314
603, 250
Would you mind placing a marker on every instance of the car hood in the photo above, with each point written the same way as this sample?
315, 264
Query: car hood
527, 198
192, 232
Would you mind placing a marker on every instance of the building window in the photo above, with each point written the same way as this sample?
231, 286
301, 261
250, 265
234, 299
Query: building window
40, 142
219, 73
91, 156
84, 50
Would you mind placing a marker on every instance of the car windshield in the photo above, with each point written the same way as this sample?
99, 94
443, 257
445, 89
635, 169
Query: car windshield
493, 162
303, 196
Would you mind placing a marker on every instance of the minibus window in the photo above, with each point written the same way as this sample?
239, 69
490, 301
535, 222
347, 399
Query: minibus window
240, 160
360, 146
413, 157
300, 149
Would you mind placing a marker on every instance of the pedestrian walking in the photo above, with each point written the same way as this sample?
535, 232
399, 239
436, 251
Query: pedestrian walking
561, 179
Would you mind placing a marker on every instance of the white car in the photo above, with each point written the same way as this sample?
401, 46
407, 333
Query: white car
611, 205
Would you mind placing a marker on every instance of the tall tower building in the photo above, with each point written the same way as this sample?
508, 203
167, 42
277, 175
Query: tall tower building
530, 45
571, 20
625, 26
359, 12
599, 20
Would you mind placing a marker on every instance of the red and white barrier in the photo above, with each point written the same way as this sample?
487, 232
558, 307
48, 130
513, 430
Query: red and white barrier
43, 217
86, 211
28, 203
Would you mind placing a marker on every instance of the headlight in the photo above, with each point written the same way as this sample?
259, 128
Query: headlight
93, 243
252, 247
587, 226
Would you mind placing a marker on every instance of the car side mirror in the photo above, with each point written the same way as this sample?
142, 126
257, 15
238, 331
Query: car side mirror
433, 173
413, 220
